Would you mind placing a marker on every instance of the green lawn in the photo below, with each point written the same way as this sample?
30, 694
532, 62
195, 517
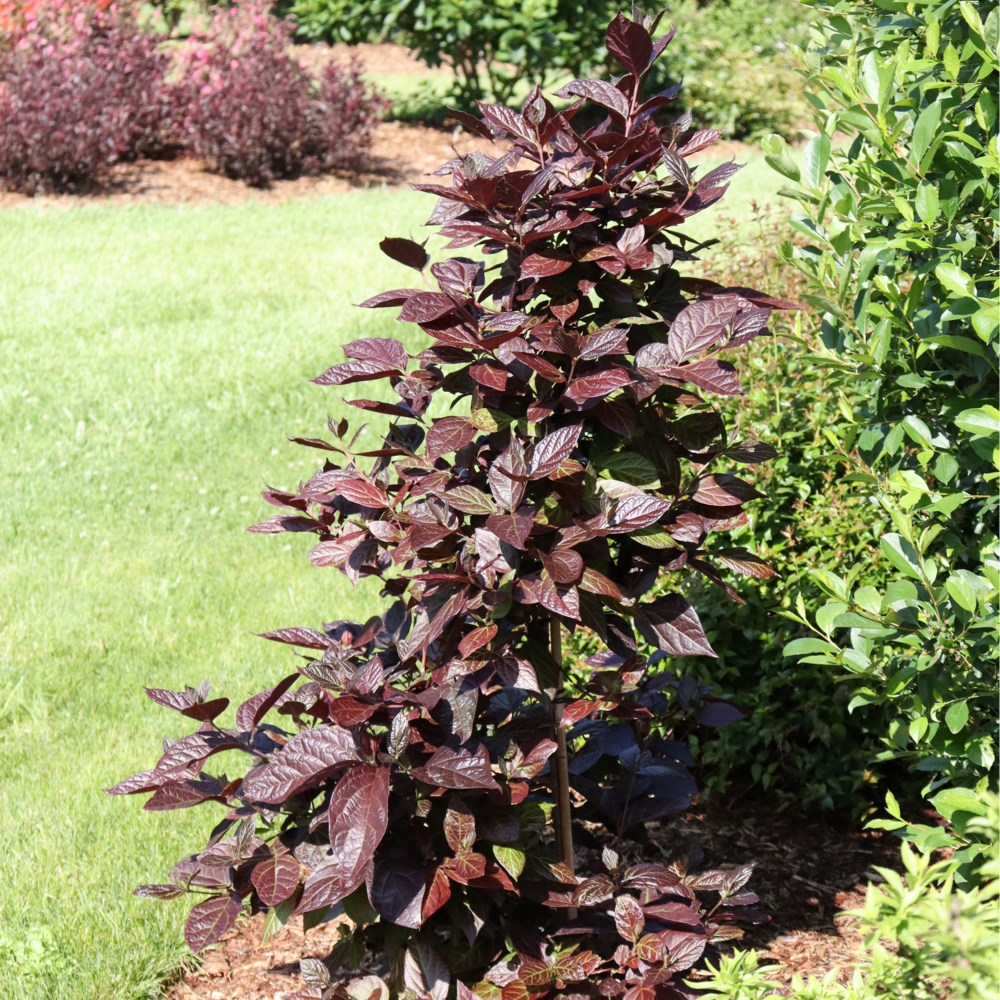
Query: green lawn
151, 361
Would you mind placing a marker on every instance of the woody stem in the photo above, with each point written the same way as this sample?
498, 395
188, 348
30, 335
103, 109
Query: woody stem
563, 816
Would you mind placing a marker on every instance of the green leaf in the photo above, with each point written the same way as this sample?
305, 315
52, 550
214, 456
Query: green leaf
957, 716
512, 859
901, 554
854, 620
992, 29
953, 800
981, 422
899, 680
955, 279
833, 584
917, 430
961, 593
923, 131
927, 204
951, 61
863, 697
631, 468
277, 917
800, 647
815, 159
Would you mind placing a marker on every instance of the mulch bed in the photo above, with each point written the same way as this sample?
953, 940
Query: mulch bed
807, 872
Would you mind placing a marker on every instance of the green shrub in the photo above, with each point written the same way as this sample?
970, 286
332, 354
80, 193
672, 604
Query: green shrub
493, 45
736, 62
902, 260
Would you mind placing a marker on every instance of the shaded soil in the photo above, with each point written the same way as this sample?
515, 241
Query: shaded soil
806, 874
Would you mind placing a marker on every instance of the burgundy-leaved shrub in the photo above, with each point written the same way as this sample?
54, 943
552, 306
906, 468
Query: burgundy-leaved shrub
80, 89
251, 111
421, 775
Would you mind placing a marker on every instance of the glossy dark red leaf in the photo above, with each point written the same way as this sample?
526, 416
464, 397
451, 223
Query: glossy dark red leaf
381, 350
634, 511
617, 415
386, 299
672, 624
538, 265
724, 490
629, 42
398, 887
460, 767
508, 475
306, 760
406, 252
362, 493
254, 709
208, 921
491, 374
546, 369
464, 867
356, 371
447, 435
597, 92
597, 384
425, 307
476, 639
438, 893
711, 374
602, 343
699, 326
276, 879
306, 637
552, 450
508, 120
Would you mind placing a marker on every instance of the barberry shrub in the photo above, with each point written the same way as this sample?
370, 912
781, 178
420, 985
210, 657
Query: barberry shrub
420, 777
80, 89
252, 112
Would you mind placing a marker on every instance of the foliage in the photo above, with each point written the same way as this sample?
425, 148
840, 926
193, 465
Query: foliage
249, 109
565, 498
79, 90
926, 938
493, 45
735, 58
902, 260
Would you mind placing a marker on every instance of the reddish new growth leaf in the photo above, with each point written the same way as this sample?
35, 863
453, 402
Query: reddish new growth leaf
551, 454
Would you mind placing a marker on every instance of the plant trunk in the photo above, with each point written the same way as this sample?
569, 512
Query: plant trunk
562, 814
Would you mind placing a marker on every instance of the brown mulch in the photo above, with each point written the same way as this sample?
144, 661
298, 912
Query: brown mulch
401, 153
806, 873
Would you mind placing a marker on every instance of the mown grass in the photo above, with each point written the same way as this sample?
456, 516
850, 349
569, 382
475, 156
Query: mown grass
151, 361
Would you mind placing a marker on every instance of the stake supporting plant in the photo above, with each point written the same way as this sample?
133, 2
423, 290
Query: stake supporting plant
397, 771
563, 806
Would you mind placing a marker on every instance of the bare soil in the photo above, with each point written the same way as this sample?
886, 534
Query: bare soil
806, 874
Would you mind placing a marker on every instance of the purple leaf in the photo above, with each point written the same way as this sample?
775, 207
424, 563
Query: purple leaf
208, 921
254, 709
460, 767
597, 92
719, 714
553, 450
305, 761
355, 371
672, 624
276, 879
382, 350
630, 44
405, 252
700, 325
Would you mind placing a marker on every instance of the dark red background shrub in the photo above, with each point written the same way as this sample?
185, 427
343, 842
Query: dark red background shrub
254, 113
78, 92
421, 774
